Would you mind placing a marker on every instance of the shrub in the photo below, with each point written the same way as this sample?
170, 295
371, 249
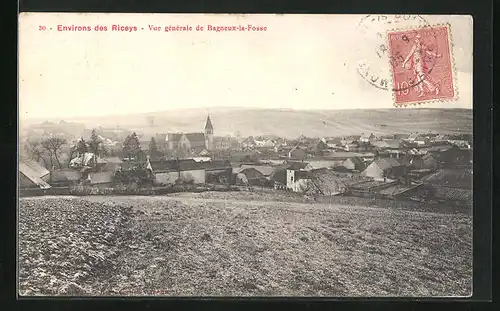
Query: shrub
139, 175
80, 190
134, 189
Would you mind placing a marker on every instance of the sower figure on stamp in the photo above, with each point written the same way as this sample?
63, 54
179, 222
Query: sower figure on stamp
417, 55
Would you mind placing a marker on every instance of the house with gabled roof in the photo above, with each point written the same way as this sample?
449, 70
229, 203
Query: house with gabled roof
87, 159
279, 174
249, 176
170, 171
354, 163
450, 185
384, 168
325, 182
367, 137
424, 162
297, 153
322, 181
265, 170
33, 175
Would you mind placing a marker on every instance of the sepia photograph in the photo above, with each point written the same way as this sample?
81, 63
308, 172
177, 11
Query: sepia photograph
234, 155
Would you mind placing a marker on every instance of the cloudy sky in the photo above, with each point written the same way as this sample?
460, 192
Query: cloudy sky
300, 62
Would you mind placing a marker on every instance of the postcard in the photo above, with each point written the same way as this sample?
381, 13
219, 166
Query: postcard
240, 155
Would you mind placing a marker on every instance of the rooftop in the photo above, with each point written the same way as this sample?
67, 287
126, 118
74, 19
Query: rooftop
32, 168
296, 165
265, 170
192, 137
387, 163
451, 177
33, 173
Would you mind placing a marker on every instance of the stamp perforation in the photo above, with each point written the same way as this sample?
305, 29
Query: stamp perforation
452, 61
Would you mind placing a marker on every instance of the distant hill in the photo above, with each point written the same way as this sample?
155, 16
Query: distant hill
292, 123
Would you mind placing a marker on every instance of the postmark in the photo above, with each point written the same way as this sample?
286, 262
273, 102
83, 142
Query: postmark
421, 65
374, 59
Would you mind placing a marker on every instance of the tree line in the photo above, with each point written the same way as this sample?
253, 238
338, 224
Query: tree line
51, 147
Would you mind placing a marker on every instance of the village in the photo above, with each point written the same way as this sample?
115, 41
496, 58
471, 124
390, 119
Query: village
423, 167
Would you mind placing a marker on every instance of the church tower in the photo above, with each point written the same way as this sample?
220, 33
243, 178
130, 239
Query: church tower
209, 134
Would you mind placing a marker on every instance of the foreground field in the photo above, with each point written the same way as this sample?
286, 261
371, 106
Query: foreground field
185, 245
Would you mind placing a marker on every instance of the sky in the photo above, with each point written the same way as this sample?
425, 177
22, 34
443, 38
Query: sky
300, 62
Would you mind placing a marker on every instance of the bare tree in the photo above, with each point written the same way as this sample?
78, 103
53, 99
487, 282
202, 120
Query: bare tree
53, 146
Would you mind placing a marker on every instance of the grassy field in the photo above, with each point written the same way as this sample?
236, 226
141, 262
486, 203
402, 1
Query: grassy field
206, 245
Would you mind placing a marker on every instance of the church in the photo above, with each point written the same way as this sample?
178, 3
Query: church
192, 142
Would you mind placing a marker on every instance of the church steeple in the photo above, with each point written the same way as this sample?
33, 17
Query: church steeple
209, 129
209, 134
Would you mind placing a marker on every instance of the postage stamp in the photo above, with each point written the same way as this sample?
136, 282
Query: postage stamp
373, 64
421, 65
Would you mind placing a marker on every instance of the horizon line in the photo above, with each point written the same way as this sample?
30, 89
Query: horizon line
236, 107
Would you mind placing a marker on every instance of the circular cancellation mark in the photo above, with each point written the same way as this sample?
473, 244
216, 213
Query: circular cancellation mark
375, 68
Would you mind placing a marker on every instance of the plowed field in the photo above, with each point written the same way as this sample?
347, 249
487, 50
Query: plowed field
211, 246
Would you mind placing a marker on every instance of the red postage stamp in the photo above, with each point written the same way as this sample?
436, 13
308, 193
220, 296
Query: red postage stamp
422, 65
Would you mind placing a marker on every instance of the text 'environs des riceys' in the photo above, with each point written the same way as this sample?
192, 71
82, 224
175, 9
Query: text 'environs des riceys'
168, 28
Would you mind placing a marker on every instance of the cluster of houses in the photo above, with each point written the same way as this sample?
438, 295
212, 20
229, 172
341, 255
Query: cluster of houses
415, 166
